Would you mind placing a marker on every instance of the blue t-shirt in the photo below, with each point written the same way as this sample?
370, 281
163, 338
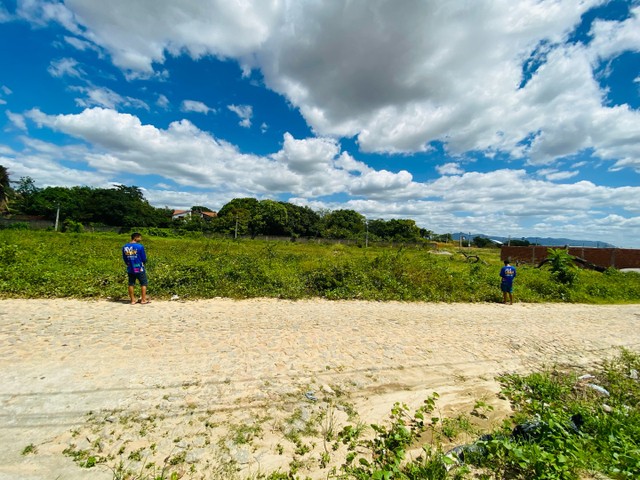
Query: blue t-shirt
134, 256
508, 273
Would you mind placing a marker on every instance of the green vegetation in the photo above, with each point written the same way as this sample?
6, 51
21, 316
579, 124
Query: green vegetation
83, 265
608, 440
565, 424
123, 207
562, 266
29, 449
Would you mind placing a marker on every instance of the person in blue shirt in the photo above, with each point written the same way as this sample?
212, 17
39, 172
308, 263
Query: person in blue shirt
135, 258
508, 273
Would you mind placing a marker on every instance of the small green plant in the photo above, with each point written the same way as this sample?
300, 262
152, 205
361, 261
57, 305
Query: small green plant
325, 458
450, 428
386, 451
178, 459
29, 449
136, 455
244, 434
83, 458
481, 408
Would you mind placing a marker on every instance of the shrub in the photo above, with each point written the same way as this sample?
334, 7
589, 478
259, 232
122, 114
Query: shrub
70, 226
18, 226
562, 266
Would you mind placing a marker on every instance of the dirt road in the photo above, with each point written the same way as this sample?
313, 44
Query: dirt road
220, 387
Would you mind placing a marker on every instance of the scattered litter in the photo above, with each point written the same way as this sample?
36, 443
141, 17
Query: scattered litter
633, 375
528, 431
457, 454
598, 389
175, 297
311, 396
327, 389
588, 376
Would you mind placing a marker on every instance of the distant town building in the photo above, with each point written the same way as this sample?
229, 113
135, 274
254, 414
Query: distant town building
189, 213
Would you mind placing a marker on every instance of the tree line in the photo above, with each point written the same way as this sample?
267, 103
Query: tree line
125, 207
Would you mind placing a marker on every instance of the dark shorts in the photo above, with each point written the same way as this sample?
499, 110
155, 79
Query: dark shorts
140, 277
506, 287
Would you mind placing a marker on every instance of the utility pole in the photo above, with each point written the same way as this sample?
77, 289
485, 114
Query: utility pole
55, 228
366, 237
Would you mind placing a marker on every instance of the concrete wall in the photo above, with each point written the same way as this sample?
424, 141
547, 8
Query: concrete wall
35, 224
604, 257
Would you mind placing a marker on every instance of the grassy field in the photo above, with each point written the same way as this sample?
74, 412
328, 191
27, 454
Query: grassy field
546, 403
85, 265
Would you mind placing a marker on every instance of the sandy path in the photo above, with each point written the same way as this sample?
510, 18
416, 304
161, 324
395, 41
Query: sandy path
224, 362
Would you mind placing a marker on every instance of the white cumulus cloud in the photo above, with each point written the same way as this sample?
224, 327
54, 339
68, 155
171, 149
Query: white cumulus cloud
195, 106
65, 67
244, 112
396, 76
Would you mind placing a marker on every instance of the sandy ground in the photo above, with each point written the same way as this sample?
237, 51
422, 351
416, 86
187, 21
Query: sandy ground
209, 388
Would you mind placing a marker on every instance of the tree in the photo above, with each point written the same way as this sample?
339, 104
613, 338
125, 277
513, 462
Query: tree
302, 221
111, 207
444, 237
25, 193
192, 223
378, 229
5, 189
400, 230
483, 242
45, 202
561, 264
424, 233
343, 224
200, 209
234, 217
269, 218
122, 206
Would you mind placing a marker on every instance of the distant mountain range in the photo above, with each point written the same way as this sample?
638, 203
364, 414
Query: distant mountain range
546, 241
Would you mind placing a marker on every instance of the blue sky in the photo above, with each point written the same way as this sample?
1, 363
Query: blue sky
506, 117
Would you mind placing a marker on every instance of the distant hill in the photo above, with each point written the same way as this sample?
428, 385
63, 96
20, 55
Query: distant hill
546, 241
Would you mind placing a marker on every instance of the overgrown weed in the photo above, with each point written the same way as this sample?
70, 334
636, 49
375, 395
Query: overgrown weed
40, 264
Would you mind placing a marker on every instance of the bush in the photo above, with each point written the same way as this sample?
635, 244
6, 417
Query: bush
569, 429
562, 266
69, 226
17, 226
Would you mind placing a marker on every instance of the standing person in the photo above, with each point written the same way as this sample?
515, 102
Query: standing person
508, 273
135, 257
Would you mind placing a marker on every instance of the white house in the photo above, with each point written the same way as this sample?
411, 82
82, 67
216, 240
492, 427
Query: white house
188, 213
